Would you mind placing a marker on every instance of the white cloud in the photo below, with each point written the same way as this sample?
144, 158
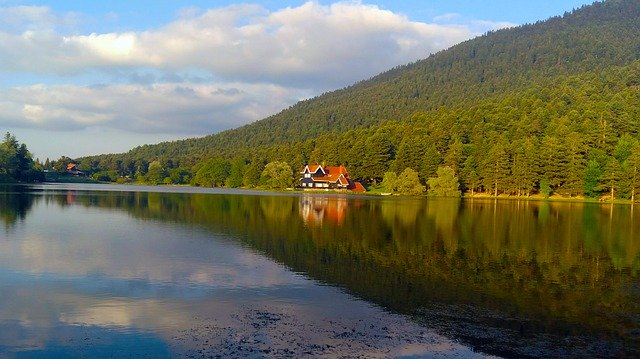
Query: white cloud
322, 46
205, 71
185, 108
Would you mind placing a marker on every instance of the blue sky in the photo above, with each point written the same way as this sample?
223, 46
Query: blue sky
87, 77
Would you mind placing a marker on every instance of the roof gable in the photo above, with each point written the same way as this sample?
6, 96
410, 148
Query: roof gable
313, 169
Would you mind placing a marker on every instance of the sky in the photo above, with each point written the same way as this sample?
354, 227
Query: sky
92, 77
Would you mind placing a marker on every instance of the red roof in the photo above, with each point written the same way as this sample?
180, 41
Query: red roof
333, 174
312, 168
358, 187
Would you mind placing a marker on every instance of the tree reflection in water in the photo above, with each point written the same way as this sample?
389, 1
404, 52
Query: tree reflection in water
503, 276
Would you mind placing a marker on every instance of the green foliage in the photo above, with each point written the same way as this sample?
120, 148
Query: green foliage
496, 167
213, 173
277, 175
105, 176
390, 182
252, 173
591, 177
610, 178
16, 163
408, 183
236, 173
545, 187
470, 177
431, 161
633, 171
445, 184
156, 173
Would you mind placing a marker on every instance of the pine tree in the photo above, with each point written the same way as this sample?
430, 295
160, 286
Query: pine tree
431, 162
574, 178
633, 171
496, 168
592, 174
410, 154
470, 178
553, 161
524, 168
610, 178
455, 156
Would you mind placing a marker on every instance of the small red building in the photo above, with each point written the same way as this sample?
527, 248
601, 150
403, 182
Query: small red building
72, 169
328, 177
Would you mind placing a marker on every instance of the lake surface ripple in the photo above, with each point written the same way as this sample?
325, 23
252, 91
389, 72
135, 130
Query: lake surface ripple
129, 271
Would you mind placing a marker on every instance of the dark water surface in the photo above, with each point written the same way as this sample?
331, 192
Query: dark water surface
130, 271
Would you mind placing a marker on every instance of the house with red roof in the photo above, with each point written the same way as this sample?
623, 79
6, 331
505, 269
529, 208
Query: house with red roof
72, 169
328, 178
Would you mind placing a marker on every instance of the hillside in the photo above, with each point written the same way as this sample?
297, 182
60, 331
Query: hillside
547, 81
592, 38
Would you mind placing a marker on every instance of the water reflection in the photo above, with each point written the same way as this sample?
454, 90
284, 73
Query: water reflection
159, 275
316, 209
506, 277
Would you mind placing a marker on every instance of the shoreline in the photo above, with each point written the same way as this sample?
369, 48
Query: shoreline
373, 193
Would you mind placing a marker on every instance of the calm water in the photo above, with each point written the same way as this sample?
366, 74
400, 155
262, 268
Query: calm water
122, 271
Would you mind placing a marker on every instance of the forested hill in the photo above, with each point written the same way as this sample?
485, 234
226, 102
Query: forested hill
593, 37
547, 107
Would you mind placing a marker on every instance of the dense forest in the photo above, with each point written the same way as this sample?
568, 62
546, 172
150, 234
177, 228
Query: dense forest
16, 162
549, 108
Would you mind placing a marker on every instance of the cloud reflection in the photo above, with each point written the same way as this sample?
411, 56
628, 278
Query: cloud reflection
78, 278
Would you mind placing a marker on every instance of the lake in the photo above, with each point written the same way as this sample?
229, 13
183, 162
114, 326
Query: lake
135, 271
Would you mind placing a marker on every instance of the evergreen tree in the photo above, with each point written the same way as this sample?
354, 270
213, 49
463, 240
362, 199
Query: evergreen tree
496, 168
431, 162
524, 167
410, 154
470, 178
574, 177
16, 163
633, 171
553, 161
592, 175
610, 178
376, 157
454, 158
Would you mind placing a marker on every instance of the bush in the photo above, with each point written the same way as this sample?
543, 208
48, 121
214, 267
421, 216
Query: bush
408, 183
445, 184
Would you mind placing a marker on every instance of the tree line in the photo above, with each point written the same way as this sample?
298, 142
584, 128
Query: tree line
579, 137
16, 162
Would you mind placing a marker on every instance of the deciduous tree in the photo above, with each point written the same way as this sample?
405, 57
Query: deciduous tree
445, 184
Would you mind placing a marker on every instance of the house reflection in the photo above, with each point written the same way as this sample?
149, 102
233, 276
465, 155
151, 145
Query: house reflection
71, 197
315, 209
